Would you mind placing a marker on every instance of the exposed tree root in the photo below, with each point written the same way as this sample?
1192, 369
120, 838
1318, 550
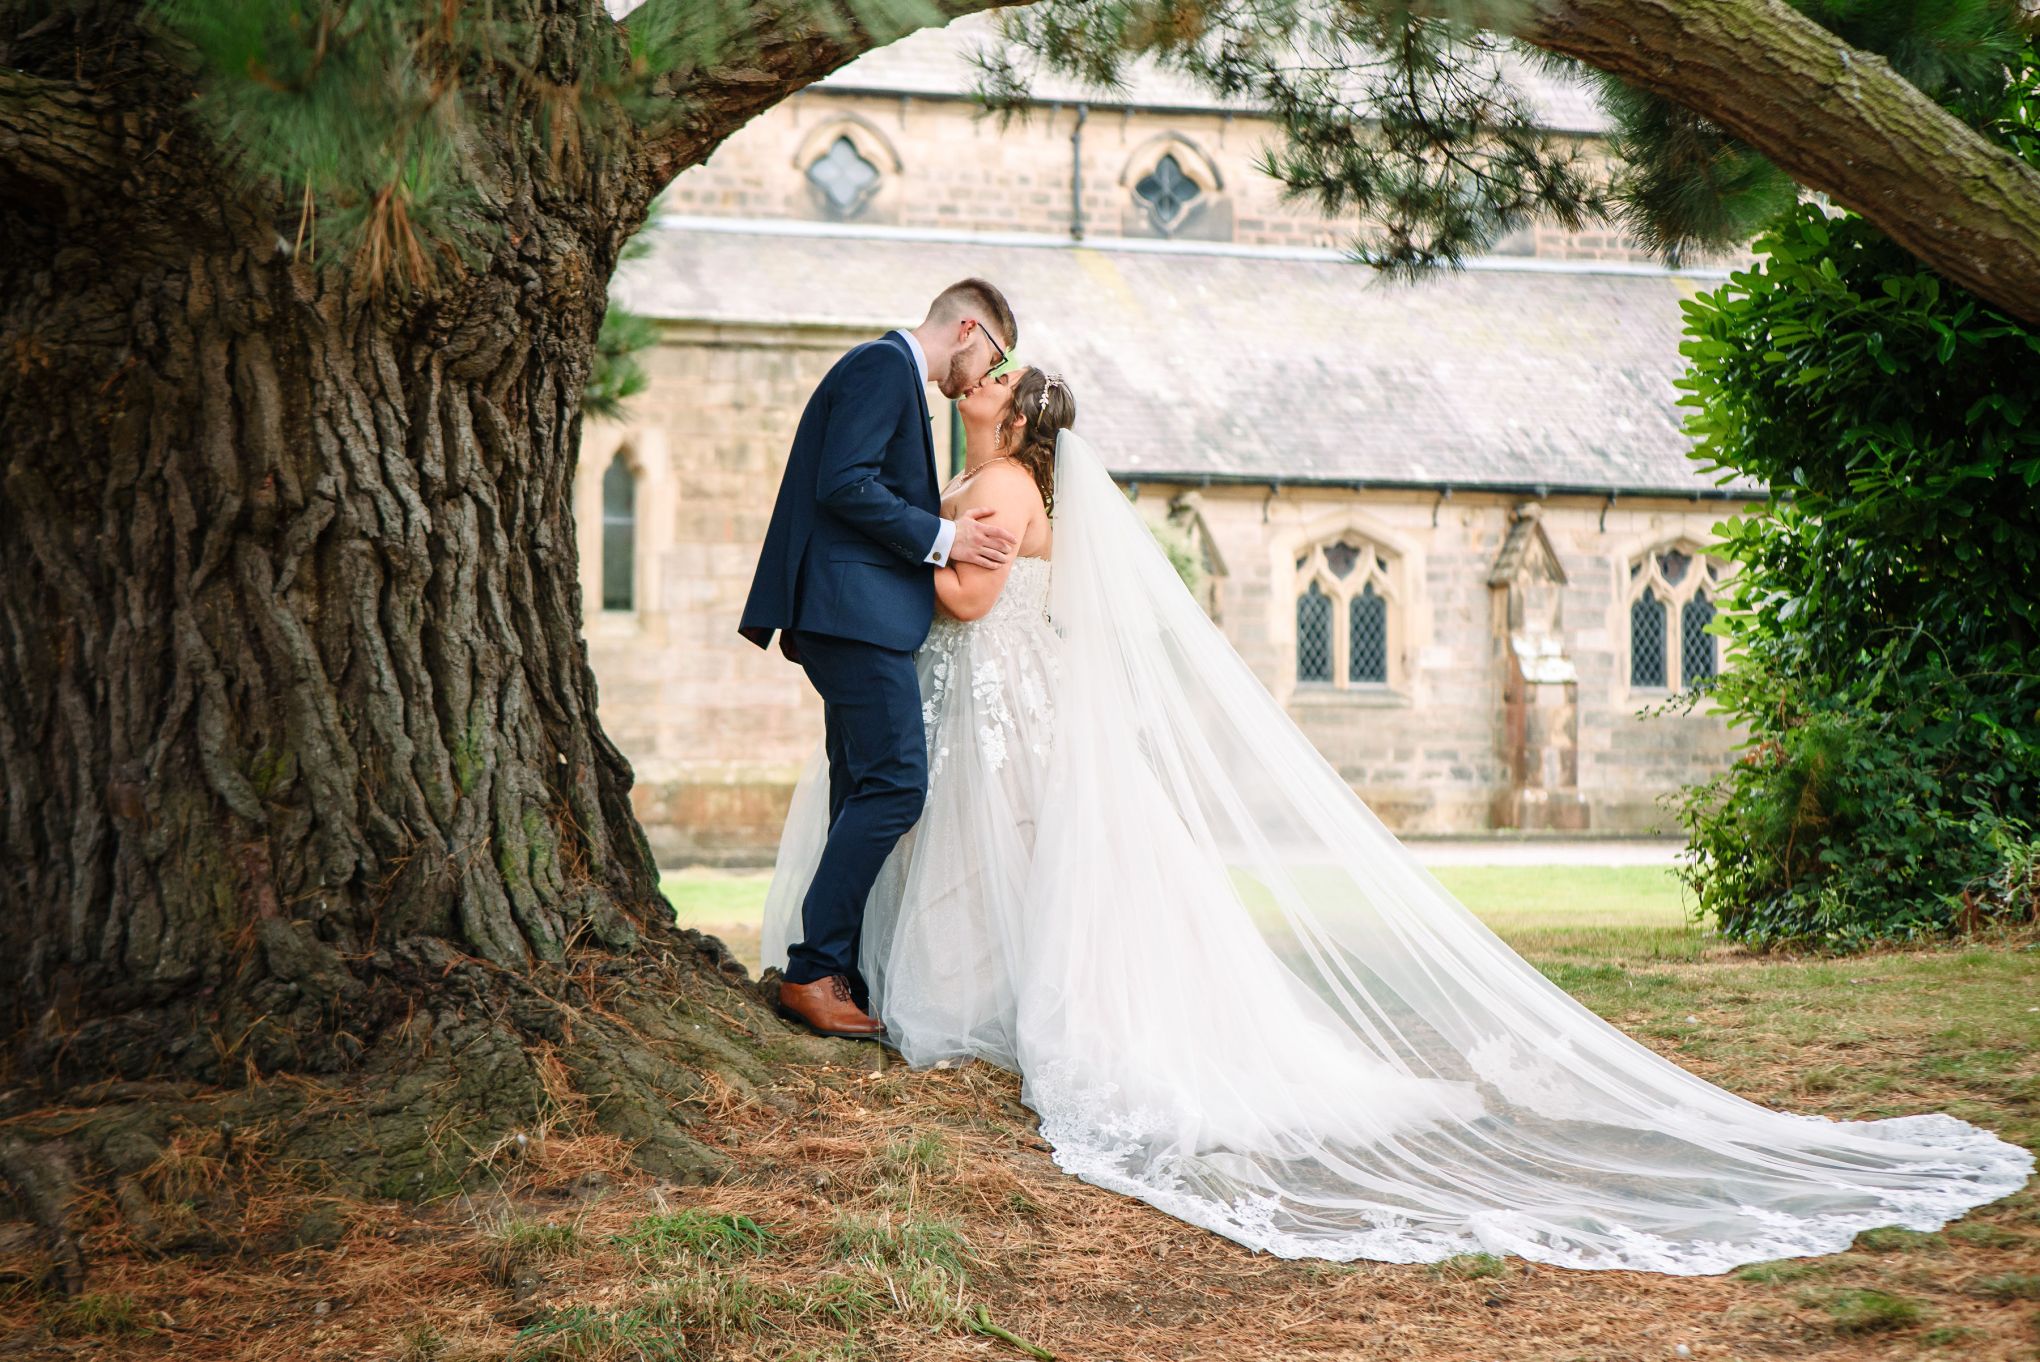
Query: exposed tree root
447, 1096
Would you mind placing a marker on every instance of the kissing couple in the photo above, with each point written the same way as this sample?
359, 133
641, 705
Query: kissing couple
1056, 824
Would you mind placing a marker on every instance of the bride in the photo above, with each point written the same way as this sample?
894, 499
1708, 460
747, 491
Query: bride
1230, 992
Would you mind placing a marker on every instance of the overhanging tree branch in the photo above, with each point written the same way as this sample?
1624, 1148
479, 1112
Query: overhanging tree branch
779, 48
55, 134
1835, 118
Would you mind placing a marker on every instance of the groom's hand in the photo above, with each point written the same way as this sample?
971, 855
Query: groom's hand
981, 543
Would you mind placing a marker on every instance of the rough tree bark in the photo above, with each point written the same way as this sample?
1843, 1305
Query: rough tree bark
300, 770
1835, 118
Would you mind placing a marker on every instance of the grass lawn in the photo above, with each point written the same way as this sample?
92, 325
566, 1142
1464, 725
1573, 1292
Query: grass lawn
1558, 910
875, 1213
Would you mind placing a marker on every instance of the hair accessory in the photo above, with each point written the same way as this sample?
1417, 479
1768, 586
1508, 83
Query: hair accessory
1048, 381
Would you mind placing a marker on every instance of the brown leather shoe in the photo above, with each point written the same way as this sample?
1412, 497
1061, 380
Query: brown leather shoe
826, 1006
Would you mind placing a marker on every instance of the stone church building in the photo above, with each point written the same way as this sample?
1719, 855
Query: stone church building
1452, 525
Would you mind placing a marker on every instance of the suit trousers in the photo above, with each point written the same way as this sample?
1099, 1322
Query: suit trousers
878, 782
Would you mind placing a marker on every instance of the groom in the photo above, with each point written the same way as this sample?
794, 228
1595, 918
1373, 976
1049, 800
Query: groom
847, 577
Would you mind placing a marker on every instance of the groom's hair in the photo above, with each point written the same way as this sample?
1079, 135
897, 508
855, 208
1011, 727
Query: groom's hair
975, 296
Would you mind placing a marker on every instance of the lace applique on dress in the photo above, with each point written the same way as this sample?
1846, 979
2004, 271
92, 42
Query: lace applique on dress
1008, 655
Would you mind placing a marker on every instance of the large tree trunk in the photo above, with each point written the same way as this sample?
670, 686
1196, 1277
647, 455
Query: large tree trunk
288, 590
308, 831
300, 771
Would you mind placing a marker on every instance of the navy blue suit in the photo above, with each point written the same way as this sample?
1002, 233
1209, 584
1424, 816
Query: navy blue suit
845, 580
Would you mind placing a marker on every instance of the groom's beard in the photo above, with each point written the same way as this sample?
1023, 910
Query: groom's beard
955, 383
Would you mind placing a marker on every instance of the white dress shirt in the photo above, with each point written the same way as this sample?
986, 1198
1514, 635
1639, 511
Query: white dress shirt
945, 537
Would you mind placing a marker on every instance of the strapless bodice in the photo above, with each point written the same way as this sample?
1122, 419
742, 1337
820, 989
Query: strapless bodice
1024, 600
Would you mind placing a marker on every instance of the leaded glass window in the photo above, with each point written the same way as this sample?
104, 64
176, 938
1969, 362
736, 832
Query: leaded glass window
1696, 652
1367, 638
1345, 626
619, 536
844, 177
1314, 635
1647, 642
1673, 591
1167, 194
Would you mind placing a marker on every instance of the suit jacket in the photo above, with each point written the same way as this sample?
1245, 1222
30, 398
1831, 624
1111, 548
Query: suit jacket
846, 550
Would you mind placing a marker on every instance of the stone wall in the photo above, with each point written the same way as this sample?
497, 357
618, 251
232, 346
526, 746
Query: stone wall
942, 167
1427, 750
718, 730
715, 728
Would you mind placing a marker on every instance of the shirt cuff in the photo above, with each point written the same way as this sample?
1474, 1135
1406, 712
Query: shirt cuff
944, 539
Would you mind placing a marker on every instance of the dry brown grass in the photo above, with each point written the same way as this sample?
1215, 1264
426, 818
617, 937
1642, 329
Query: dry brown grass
894, 1205
1082, 1272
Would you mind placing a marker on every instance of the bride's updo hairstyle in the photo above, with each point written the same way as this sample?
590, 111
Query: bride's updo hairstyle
1045, 400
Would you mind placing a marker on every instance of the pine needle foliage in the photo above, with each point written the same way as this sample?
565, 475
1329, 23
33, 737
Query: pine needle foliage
617, 375
1412, 119
1685, 186
1412, 124
375, 121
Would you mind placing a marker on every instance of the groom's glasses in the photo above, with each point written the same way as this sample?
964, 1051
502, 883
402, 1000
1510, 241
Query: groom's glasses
1001, 361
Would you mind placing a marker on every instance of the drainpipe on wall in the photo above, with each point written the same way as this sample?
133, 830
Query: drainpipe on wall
1077, 174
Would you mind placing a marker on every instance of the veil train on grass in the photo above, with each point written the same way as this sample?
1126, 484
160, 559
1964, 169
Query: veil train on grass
1236, 995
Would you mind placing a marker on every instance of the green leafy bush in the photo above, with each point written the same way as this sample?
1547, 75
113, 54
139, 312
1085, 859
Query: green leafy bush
1884, 623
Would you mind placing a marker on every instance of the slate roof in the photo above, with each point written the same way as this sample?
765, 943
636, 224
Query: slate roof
935, 62
1260, 366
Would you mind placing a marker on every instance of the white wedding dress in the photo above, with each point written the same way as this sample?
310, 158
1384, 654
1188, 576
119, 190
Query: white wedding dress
1231, 992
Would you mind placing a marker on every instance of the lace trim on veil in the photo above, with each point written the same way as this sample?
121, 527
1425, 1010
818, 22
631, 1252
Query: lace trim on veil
1211, 912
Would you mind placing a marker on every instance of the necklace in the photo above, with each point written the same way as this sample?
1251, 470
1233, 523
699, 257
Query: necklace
970, 473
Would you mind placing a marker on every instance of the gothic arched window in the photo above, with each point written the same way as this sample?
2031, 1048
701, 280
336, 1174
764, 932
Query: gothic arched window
619, 535
1344, 624
1647, 642
1313, 635
1672, 594
1699, 658
1367, 638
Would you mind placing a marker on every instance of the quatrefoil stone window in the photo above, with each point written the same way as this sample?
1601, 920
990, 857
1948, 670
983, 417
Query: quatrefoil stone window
1167, 193
845, 179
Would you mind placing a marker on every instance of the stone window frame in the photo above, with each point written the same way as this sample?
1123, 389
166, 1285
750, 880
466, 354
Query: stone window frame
644, 450
1195, 163
624, 460
1644, 574
866, 138
1381, 569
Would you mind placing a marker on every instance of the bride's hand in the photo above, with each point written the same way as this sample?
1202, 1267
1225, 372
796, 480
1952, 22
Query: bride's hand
981, 543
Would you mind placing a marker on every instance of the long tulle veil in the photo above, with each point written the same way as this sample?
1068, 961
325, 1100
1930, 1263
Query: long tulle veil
1243, 999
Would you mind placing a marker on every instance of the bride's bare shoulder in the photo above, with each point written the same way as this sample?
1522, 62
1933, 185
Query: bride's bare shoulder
1007, 484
